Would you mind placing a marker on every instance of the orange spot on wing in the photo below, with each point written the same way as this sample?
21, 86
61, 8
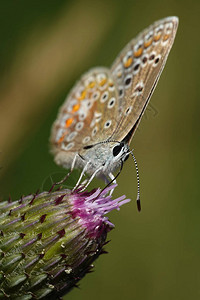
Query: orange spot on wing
166, 36
147, 43
138, 53
157, 37
61, 139
119, 74
68, 122
91, 85
82, 96
102, 82
128, 63
76, 107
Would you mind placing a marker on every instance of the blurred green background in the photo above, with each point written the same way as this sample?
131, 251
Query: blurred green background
45, 47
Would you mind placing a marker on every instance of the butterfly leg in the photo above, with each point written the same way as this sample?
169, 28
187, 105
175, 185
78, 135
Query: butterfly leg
82, 174
113, 180
91, 177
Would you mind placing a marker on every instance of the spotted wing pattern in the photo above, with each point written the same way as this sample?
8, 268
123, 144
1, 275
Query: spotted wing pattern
108, 104
89, 113
137, 70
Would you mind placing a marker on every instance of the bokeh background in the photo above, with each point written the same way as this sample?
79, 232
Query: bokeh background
45, 46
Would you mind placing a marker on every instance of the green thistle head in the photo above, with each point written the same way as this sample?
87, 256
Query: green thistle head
49, 241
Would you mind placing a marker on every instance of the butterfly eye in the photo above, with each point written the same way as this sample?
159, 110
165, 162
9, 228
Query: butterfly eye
117, 149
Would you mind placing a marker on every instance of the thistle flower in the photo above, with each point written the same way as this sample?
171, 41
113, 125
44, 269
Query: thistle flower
49, 241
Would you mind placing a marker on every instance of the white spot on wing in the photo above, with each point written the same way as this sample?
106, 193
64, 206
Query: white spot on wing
128, 110
86, 139
148, 36
94, 131
95, 95
128, 81
159, 28
111, 102
79, 126
157, 60
104, 97
107, 124
168, 28
59, 134
136, 66
138, 89
71, 136
82, 115
67, 147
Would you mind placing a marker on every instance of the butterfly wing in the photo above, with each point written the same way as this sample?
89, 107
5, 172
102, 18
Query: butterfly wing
88, 116
137, 70
108, 104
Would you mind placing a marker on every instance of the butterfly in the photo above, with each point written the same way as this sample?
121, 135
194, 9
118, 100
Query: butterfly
99, 117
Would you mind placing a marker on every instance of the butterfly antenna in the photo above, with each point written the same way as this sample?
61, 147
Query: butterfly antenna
138, 182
